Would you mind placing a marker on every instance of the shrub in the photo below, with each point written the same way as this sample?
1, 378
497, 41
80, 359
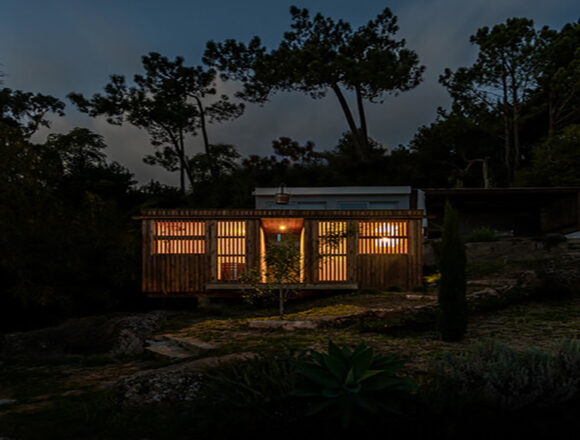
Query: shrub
433, 279
551, 240
494, 375
249, 397
350, 385
452, 322
484, 233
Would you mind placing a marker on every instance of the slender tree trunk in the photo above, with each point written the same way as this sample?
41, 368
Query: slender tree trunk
550, 115
179, 147
351, 124
185, 163
516, 127
362, 119
182, 171
484, 171
212, 165
506, 129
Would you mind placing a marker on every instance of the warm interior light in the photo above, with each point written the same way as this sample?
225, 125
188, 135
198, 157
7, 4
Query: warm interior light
383, 237
282, 227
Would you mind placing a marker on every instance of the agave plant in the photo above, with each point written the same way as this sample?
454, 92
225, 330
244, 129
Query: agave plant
351, 385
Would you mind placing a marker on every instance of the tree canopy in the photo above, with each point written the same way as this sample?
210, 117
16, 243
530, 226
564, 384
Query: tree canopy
168, 102
319, 55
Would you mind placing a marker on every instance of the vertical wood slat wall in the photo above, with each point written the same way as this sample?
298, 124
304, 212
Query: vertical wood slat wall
331, 251
231, 249
189, 273
167, 273
386, 269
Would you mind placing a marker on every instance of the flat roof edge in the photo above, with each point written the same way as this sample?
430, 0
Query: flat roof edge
332, 190
258, 213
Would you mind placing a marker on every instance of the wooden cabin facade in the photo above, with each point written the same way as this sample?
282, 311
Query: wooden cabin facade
188, 252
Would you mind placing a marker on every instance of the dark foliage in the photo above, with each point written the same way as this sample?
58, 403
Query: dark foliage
452, 322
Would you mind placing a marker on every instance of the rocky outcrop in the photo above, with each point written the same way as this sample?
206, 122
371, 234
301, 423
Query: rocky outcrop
504, 250
104, 335
175, 383
129, 334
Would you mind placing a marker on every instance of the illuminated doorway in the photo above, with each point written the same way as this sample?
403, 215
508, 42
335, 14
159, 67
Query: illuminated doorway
273, 232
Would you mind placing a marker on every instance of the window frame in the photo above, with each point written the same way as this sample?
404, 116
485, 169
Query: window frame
191, 239
395, 231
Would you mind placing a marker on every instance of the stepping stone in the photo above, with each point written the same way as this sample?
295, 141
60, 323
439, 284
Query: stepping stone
192, 344
188, 343
286, 325
167, 351
418, 297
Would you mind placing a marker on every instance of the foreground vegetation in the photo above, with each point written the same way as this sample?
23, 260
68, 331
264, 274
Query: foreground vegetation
68, 397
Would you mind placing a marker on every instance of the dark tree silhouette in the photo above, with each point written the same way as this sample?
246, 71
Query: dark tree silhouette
500, 80
168, 101
319, 55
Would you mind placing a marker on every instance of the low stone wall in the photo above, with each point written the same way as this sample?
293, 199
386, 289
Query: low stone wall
504, 250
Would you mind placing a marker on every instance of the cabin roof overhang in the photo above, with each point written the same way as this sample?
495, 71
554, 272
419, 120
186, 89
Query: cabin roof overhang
286, 213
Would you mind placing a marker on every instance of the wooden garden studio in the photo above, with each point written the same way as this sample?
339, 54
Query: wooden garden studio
189, 252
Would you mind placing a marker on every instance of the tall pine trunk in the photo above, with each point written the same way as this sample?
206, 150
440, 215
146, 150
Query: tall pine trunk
361, 147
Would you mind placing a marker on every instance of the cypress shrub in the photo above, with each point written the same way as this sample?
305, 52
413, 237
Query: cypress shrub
452, 319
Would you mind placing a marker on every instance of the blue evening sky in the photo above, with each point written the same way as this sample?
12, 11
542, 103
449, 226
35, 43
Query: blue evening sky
59, 46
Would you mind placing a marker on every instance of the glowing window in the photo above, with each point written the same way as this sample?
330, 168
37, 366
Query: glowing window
332, 251
231, 250
178, 237
383, 237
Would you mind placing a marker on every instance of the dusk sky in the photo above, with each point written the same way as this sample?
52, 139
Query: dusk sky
59, 46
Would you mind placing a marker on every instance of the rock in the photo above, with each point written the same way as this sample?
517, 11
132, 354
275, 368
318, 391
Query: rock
175, 383
494, 282
113, 335
528, 279
485, 293
7, 401
286, 325
131, 333
188, 343
172, 347
418, 297
167, 351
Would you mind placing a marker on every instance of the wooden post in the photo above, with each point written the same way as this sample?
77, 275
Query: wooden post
351, 243
211, 237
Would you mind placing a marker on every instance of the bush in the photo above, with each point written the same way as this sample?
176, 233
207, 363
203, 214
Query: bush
496, 376
482, 234
249, 397
452, 322
250, 383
